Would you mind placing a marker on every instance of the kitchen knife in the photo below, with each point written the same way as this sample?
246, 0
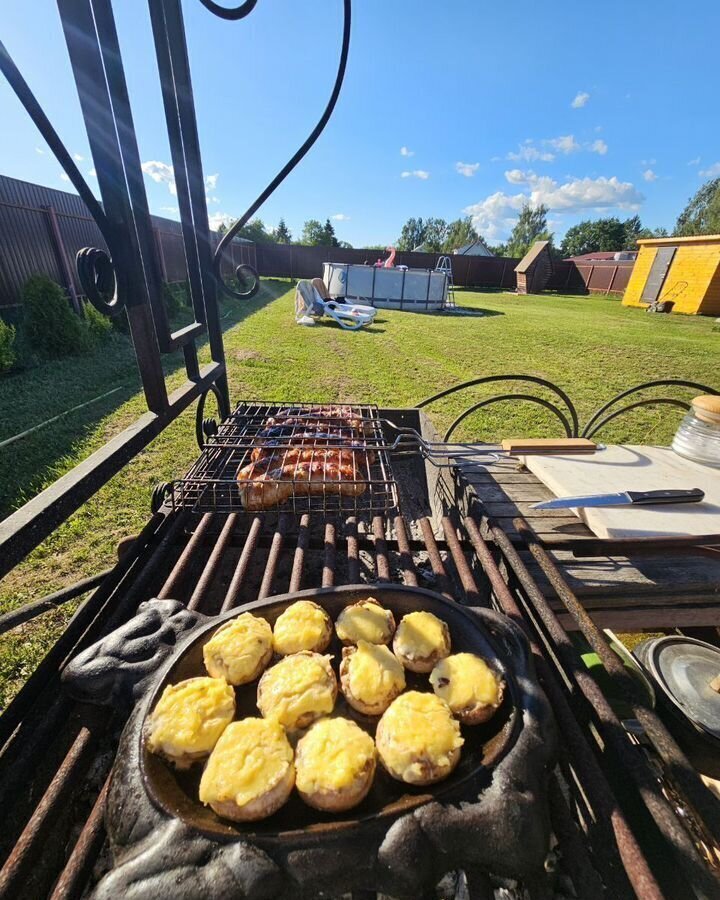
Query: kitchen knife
624, 498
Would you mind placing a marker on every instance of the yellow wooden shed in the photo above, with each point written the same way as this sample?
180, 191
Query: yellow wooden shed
685, 270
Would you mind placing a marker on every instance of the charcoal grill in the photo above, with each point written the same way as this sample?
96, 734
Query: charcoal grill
628, 814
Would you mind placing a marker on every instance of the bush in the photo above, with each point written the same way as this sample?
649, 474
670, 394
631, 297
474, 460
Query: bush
176, 298
98, 327
50, 327
7, 348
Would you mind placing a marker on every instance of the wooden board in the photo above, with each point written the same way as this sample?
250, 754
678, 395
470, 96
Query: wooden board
637, 468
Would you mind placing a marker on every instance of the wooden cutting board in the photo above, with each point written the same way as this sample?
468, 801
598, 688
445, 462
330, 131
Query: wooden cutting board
636, 468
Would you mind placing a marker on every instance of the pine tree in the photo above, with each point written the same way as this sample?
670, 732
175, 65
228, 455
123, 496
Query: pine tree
330, 239
282, 233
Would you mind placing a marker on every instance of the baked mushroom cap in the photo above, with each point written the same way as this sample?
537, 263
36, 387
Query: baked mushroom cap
304, 625
239, 650
469, 685
421, 640
366, 620
371, 677
297, 690
418, 740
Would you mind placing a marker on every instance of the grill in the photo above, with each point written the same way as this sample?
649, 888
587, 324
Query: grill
282, 440
628, 816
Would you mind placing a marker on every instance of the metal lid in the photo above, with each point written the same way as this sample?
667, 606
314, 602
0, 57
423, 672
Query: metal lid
684, 668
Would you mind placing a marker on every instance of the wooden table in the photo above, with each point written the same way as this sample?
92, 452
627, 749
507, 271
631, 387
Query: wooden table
640, 594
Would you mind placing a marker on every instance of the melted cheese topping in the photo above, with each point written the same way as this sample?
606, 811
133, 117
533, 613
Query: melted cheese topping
190, 717
374, 673
366, 621
303, 626
295, 686
417, 728
237, 648
332, 755
421, 634
249, 760
465, 680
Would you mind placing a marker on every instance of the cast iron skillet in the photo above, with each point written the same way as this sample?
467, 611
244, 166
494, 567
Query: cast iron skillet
176, 793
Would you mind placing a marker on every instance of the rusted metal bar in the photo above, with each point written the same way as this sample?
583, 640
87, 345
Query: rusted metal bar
683, 773
233, 592
58, 791
353, 567
29, 611
382, 563
627, 756
472, 595
574, 852
406, 559
616, 838
300, 549
273, 559
328, 572
78, 868
186, 558
438, 567
213, 563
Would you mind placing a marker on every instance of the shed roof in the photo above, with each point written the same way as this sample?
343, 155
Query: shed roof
530, 257
691, 239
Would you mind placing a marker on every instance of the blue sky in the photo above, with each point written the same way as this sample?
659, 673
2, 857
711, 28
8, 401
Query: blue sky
464, 107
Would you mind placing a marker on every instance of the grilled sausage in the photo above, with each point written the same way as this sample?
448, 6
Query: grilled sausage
302, 479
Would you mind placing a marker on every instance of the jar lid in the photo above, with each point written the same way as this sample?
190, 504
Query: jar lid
707, 408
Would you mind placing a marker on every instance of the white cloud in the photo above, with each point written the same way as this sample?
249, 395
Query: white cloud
581, 98
599, 146
161, 173
340, 217
172, 210
77, 157
93, 173
466, 169
691, 162
211, 181
566, 143
416, 173
649, 175
712, 171
517, 176
218, 219
40, 151
527, 152
648, 162
494, 216
406, 151
64, 176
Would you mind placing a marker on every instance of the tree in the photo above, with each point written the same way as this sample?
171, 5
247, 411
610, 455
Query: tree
598, 235
255, 230
282, 233
221, 229
313, 234
459, 233
436, 232
412, 235
345, 245
702, 214
531, 226
329, 234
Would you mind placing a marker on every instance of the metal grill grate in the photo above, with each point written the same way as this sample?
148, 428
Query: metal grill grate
298, 457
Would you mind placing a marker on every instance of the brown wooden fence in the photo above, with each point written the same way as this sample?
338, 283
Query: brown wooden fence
41, 230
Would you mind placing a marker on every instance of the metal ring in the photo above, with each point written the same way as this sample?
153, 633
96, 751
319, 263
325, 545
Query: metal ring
97, 279
240, 275
160, 494
200, 433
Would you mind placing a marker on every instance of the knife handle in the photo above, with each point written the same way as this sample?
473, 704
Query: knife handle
693, 495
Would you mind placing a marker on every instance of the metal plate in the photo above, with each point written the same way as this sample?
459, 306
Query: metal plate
685, 667
176, 793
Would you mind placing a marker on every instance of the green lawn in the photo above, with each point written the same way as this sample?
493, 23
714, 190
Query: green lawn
591, 346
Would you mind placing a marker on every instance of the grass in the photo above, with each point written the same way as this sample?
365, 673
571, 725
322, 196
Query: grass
591, 346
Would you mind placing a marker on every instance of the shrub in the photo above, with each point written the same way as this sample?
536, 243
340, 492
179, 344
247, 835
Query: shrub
175, 297
50, 327
7, 348
98, 327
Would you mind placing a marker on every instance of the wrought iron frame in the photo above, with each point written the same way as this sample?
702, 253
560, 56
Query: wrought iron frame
129, 277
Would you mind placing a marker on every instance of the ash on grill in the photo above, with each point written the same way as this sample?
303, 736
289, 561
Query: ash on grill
299, 457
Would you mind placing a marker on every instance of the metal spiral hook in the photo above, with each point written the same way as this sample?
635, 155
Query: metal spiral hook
97, 278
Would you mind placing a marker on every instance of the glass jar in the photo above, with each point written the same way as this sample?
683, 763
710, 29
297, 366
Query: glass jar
698, 437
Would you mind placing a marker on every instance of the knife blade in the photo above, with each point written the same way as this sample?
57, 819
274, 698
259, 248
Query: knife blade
624, 498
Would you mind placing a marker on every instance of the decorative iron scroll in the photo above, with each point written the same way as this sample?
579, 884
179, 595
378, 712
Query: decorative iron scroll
238, 13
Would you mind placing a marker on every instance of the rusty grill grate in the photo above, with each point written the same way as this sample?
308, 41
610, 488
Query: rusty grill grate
284, 455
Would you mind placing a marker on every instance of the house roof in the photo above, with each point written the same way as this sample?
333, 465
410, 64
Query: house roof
530, 257
598, 254
474, 248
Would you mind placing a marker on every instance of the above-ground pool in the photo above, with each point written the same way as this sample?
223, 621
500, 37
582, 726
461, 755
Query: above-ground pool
397, 288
